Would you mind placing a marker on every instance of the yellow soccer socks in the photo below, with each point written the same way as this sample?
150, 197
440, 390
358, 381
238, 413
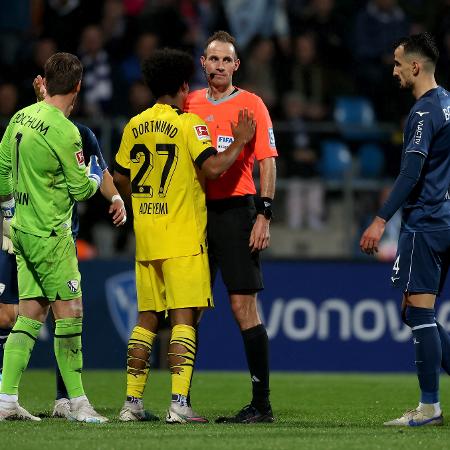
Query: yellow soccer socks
138, 365
181, 357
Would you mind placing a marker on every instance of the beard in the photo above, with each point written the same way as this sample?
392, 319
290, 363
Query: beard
404, 84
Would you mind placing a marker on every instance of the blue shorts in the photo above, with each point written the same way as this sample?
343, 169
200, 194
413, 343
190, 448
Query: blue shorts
9, 291
422, 261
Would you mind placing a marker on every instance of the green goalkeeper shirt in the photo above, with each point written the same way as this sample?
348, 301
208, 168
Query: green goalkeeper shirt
41, 162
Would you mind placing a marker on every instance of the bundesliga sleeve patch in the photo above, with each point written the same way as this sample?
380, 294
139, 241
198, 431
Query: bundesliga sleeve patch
271, 137
202, 132
80, 157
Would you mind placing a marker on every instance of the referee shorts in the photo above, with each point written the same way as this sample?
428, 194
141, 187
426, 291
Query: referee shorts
230, 223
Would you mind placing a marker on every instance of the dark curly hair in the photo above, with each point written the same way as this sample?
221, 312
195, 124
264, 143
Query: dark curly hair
422, 44
166, 70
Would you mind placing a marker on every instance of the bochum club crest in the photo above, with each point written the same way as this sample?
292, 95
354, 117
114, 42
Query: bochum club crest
121, 297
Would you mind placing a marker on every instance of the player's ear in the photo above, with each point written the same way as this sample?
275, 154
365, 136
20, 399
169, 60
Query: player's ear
77, 87
237, 63
202, 61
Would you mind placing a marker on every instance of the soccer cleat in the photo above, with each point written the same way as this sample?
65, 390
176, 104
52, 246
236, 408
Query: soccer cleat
13, 411
82, 411
183, 414
249, 414
421, 416
132, 412
61, 408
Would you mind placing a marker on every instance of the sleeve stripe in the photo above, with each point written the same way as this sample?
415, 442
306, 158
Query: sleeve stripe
204, 155
121, 170
416, 151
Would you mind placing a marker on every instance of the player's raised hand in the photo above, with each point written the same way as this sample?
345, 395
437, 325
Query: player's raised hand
39, 88
244, 130
371, 237
94, 171
118, 211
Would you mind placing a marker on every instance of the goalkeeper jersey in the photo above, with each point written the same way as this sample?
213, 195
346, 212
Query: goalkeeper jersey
41, 161
161, 151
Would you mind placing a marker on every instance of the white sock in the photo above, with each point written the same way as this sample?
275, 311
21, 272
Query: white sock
436, 406
9, 398
77, 400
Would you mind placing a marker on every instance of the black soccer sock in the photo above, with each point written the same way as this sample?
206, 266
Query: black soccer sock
256, 345
445, 345
4, 333
61, 390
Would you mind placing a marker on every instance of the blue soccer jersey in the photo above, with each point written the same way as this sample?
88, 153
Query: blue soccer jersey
427, 131
90, 147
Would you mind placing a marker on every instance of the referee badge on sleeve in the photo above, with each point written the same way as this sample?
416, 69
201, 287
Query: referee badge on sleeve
271, 137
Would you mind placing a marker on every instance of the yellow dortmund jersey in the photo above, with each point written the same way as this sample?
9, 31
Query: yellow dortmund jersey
161, 151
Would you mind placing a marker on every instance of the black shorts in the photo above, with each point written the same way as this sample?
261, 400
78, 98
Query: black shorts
230, 222
9, 291
422, 261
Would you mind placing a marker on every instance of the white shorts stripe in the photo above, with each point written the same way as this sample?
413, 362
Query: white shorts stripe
410, 264
425, 325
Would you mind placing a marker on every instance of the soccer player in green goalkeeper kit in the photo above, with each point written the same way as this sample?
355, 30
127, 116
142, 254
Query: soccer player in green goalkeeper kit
42, 174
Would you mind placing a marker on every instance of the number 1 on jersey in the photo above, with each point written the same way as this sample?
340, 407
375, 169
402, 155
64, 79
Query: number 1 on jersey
18, 138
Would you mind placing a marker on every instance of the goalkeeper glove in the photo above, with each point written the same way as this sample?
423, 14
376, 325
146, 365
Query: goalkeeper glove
95, 172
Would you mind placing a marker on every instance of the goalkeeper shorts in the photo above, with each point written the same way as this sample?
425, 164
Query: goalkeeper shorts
47, 266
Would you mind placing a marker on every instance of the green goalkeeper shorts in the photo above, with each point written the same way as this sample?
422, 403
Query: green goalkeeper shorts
46, 266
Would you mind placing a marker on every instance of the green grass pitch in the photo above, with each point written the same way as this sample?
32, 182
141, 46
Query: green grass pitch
313, 411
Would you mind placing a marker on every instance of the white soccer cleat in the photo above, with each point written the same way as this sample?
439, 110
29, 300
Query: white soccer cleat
13, 411
82, 411
421, 416
61, 408
183, 414
135, 412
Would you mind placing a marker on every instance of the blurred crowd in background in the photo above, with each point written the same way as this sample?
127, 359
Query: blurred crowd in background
322, 67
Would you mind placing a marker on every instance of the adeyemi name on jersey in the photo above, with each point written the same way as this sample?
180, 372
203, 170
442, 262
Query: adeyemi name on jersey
31, 122
21, 198
153, 208
155, 126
